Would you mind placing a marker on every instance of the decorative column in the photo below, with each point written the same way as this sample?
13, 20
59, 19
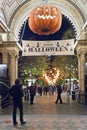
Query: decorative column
12, 68
16, 66
81, 48
79, 68
82, 71
5, 58
10, 52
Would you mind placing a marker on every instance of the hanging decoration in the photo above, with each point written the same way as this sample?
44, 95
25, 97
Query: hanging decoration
45, 19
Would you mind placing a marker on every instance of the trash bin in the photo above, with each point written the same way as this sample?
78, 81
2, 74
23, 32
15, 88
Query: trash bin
73, 95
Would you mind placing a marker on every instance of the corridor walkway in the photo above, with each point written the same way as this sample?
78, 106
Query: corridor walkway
46, 115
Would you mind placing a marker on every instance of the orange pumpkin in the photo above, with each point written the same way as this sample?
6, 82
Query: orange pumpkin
45, 20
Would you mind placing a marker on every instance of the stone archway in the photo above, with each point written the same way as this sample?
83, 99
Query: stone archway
20, 13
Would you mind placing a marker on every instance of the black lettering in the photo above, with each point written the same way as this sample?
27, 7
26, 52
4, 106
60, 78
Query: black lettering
30, 49
47, 49
42, 49
36, 49
52, 48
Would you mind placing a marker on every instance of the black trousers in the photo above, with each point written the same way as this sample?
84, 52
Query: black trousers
31, 99
18, 105
59, 98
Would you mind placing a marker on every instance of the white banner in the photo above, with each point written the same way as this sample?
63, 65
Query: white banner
41, 48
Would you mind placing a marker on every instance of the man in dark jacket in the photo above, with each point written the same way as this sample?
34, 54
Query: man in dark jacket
32, 93
17, 93
59, 91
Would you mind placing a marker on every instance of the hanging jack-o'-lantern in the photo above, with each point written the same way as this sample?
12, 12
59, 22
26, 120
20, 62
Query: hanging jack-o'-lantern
45, 19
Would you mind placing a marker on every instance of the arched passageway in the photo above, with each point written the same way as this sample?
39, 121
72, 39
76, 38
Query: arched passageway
13, 23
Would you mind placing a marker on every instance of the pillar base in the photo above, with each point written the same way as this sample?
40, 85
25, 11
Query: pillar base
82, 99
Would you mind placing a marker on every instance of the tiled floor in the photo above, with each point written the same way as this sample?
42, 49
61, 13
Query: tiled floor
46, 115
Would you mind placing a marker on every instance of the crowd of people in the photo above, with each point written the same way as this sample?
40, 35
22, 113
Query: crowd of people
50, 90
17, 92
46, 90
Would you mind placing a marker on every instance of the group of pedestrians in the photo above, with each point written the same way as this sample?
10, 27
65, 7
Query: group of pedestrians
17, 93
40, 90
50, 89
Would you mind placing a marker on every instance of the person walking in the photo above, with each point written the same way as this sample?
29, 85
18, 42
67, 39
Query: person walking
59, 91
17, 93
32, 89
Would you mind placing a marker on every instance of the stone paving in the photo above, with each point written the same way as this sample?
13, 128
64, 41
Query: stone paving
46, 122
46, 115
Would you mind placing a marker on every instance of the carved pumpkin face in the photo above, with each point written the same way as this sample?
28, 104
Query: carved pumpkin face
45, 20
